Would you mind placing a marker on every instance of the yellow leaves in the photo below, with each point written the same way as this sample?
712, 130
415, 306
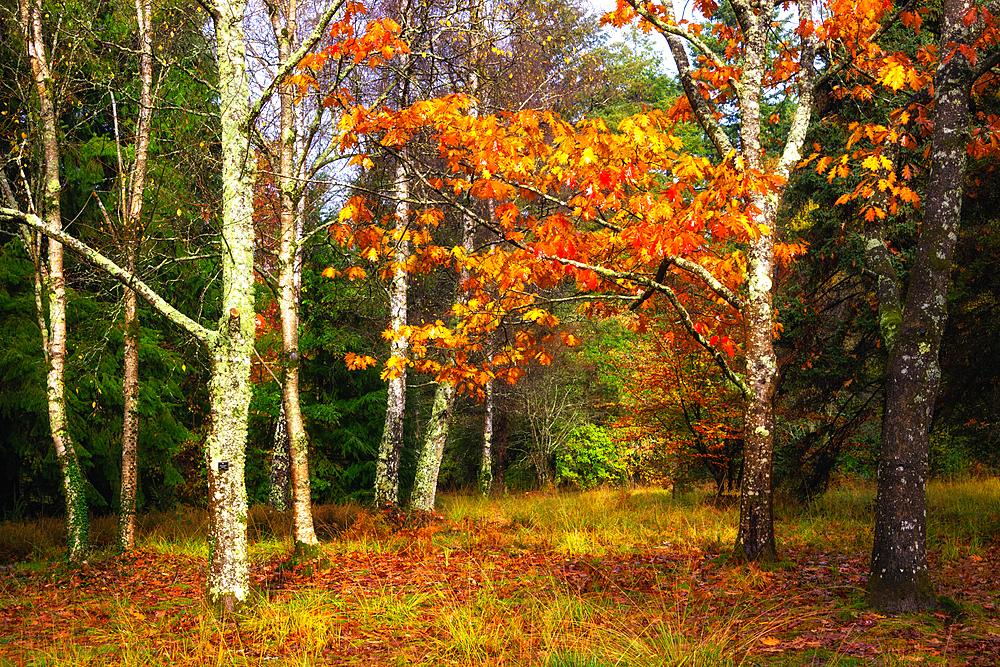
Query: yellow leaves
303, 81
329, 272
358, 362
430, 217
823, 163
876, 163
393, 368
569, 339
535, 314
894, 72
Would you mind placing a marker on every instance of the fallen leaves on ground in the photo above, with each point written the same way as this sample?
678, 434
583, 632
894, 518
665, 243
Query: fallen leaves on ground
409, 603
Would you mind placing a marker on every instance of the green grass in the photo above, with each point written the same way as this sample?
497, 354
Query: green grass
608, 577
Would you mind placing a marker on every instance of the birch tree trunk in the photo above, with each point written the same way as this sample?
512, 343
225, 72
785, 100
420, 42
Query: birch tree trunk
424, 489
289, 258
132, 235
54, 332
387, 467
279, 493
899, 580
486, 461
429, 463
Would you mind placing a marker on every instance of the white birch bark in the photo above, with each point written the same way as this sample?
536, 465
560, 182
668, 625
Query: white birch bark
132, 235
231, 347
486, 461
77, 523
387, 466
289, 260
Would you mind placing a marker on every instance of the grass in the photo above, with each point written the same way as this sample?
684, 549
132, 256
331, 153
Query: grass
610, 577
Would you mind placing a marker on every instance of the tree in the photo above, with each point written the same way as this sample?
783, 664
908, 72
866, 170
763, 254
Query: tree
935, 84
230, 345
912, 326
750, 41
289, 285
50, 282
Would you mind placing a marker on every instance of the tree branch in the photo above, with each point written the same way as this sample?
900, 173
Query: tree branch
123, 276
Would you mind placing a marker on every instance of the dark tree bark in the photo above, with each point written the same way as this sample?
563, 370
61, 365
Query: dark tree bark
899, 580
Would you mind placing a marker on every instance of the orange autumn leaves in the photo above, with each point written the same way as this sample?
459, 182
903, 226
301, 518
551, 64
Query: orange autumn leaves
564, 204
579, 206
887, 155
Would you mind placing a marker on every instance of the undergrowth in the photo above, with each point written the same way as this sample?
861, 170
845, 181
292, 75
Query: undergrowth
607, 577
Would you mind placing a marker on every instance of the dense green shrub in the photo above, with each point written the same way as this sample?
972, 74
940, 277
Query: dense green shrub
591, 458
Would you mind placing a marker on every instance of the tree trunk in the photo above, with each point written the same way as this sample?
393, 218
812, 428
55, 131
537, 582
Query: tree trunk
486, 462
500, 430
425, 483
755, 540
54, 333
231, 347
387, 468
289, 256
279, 494
130, 426
132, 234
899, 581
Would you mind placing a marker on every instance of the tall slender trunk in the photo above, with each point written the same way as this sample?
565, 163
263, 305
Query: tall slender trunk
387, 467
500, 430
289, 256
486, 460
77, 522
755, 540
132, 235
899, 580
429, 463
130, 426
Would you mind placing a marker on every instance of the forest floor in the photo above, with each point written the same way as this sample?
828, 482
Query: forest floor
589, 579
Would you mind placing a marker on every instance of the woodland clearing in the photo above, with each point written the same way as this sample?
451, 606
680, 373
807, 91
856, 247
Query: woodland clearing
607, 577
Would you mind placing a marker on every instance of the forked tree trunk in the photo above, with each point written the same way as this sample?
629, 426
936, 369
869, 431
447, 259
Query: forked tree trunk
54, 332
755, 540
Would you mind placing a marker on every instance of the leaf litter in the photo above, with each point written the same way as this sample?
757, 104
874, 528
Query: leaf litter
424, 598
